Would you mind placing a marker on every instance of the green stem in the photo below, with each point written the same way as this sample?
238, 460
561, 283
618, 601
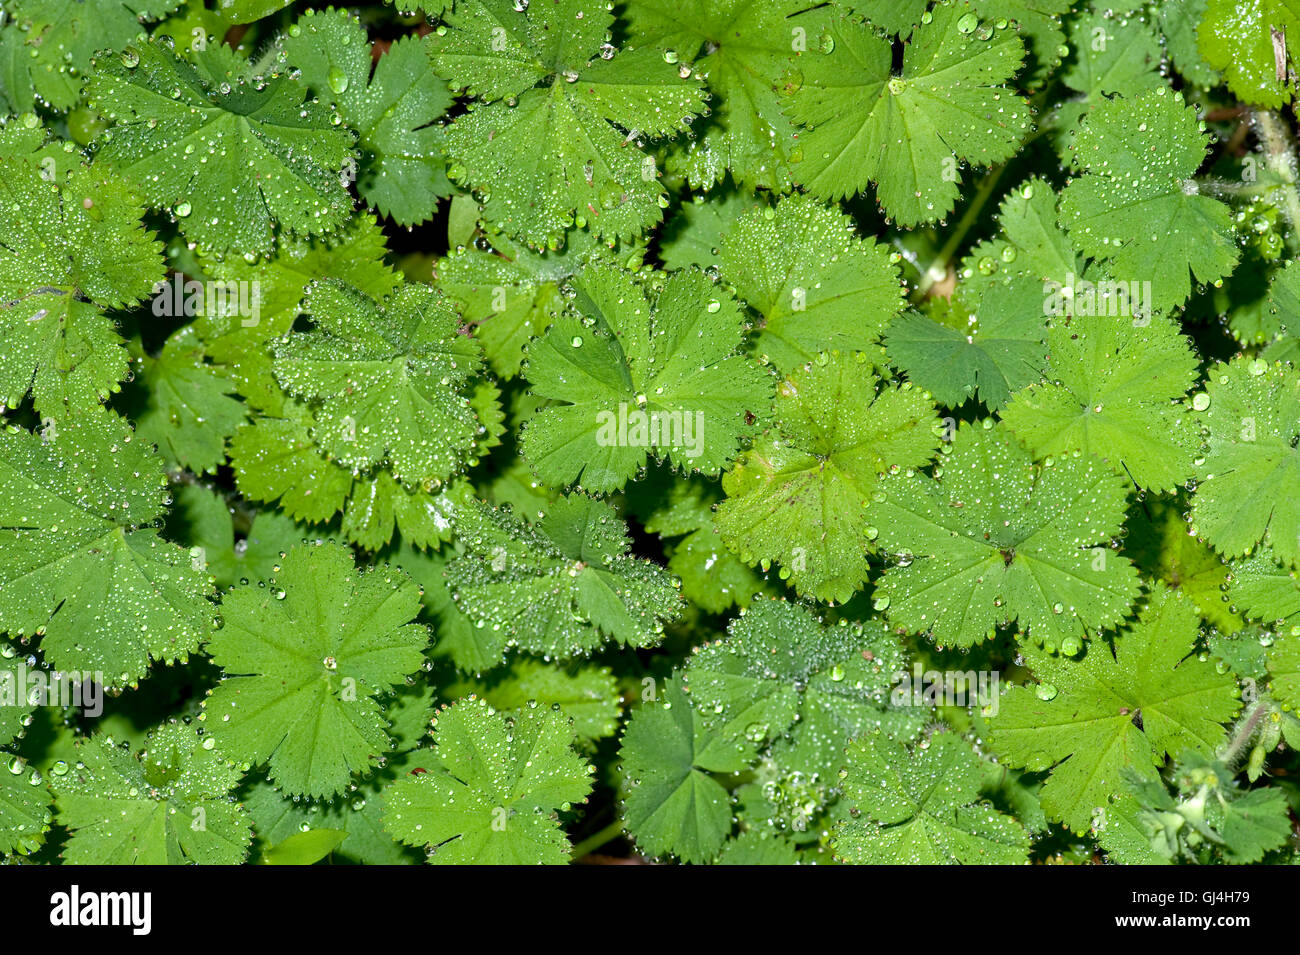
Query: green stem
1280, 159
1244, 733
940, 263
592, 843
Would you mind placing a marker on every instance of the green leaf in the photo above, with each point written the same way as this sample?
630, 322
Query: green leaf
995, 538
278, 285
1251, 411
1000, 350
215, 546
1273, 315
908, 133
674, 802
1237, 37
745, 53
1030, 245
304, 848
814, 283
71, 245
305, 656
493, 794
781, 676
24, 814
587, 695
637, 378
1039, 23
1137, 207
713, 578
275, 459
693, 233
61, 37
922, 807
167, 805
390, 380
756, 848
1179, 21
1255, 824
1125, 830
1114, 389
1116, 52
394, 112
562, 586
803, 496
1264, 590
82, 564
190, 411
511, 294
246, 11
1284, 669
1089, 718
1161, 545
472, 649
898, 18
357, 815
550, 145
283, 159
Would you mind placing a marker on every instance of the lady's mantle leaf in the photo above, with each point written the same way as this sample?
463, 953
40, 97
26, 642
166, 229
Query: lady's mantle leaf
281, 160
1001, 348
80, 563
637, 378
306, 654
563, 586
674, 802
1239, 38
551, 145
394, 112
995, 538
495, 788
25, 814
921, 806
391, 380
1251, 469
1114, 388
1137, 206
1132, 705
781, 676
815, 284
71, 245
743, 50
802, 497
168, 805
907, 133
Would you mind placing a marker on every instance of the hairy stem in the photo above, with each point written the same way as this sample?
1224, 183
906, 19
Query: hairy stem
1280, 159
1244, 733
